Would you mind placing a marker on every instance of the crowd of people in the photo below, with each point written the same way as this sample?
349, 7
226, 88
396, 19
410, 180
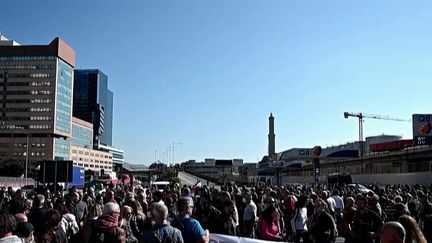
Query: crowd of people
396, 214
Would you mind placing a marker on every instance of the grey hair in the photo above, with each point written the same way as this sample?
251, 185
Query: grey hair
110, 208
183, 203
40, 200
160, 211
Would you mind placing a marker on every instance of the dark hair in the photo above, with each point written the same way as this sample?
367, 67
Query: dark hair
209, 199
267, 214
24, 229
183, 203
17, 206
7, 223
361, 198
301, 203
54, 218
228, 205
60, 206
157, 194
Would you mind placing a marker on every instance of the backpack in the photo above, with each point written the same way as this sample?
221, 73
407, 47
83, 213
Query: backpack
54, 235
169, 239
71, 228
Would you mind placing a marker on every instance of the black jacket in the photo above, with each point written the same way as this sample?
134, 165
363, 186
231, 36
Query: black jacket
323, 228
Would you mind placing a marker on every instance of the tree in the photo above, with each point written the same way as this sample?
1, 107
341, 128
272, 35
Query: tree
12, 167
171, 175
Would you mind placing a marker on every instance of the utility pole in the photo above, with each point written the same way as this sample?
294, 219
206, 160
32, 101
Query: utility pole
27, 156
173, 150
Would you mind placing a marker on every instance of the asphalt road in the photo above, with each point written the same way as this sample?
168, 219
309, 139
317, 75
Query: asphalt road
190, 180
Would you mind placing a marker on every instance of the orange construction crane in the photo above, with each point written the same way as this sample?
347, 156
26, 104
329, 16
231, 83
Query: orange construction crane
361, 116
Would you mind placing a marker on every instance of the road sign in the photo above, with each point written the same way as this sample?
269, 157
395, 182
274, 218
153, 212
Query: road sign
422, 129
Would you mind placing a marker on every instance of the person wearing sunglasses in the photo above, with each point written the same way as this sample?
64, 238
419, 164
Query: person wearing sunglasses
322, 225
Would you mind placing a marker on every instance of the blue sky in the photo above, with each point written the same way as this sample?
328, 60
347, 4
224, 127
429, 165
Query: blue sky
207, 73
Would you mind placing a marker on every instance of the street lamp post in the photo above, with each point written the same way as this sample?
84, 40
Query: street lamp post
173, 148
27, 152
27, 156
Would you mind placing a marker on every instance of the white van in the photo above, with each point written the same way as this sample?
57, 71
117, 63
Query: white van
160, 185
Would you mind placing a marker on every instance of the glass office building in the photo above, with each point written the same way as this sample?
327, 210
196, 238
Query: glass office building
93, 102
82, 133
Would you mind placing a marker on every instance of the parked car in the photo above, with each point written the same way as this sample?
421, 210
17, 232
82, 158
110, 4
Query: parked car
339, 179
28, 189
359, 187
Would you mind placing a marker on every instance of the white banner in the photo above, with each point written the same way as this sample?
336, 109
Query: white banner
217, 238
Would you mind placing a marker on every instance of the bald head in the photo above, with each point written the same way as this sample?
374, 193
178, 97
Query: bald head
392, 232
20, 217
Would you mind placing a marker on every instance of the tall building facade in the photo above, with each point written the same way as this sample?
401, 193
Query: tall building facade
117, 156
36, 83
93, 102
82, 152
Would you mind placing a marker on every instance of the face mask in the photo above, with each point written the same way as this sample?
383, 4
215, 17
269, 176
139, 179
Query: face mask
244, 200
